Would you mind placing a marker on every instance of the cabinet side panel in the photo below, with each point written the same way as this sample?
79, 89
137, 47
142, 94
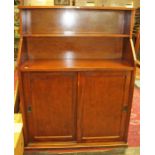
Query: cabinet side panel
130, 99
22, 91
128, 53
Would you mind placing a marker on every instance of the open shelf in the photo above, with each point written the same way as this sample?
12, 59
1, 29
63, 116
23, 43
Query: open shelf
75, 65
76, 22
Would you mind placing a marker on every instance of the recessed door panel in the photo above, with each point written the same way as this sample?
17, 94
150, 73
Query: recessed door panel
51, 106
103, 104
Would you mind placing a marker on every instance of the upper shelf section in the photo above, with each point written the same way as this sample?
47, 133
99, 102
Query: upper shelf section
64, 21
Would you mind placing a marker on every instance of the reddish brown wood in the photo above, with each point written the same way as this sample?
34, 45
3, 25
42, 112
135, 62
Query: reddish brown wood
137, 47
130, 98
76, 76
19, 51
74, 21
85, 35
104, 105
132, 22
128, 55
74, 48
75, 65
127, 21
50, 102
62, 147
78, 7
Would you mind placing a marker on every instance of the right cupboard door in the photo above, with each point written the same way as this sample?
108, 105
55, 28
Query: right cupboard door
103, 105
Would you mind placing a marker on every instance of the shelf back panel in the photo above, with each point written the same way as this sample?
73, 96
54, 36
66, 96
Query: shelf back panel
74, 48
49, 21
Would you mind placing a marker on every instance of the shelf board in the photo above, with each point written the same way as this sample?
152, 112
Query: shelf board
78, 7
75, 65
77, 35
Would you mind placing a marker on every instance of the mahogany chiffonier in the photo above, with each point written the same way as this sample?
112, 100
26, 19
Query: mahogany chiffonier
76, 75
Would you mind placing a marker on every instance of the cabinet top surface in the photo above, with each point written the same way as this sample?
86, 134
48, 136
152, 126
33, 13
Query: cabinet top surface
79, 7
74, 65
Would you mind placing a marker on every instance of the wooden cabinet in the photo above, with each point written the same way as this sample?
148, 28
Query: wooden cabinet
51, 106
103, 100
76, 75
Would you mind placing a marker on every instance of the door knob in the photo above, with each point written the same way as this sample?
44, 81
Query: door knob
29, 109
125, 108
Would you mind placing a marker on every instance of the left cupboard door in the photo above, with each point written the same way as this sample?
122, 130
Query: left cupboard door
50, 105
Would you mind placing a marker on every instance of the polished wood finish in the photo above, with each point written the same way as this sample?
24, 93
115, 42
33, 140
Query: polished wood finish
72, 145
74, 48
71, 34
64, 21
103, 105
76, 76
50, 117
78, 7
75, 65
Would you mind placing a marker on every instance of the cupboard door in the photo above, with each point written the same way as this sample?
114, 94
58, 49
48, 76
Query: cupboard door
50, 100
103, 104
